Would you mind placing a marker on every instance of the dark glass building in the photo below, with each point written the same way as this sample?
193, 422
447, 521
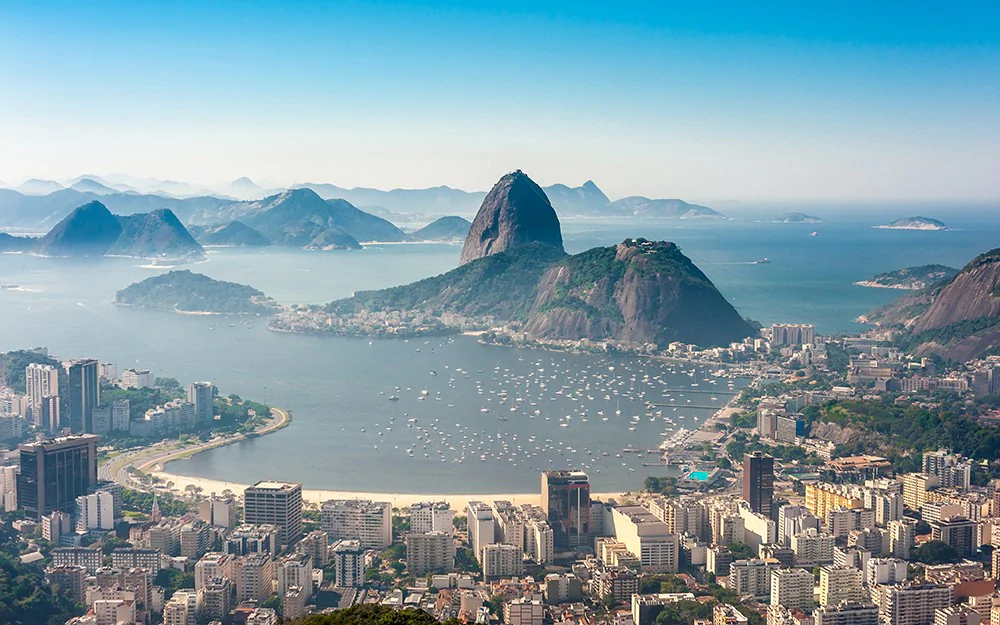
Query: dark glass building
84, 395
758, 482
54, 473
566, 503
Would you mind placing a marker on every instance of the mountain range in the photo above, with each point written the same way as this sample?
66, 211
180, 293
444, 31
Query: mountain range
38, 204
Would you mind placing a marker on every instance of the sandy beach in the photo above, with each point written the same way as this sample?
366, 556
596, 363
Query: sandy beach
398, 500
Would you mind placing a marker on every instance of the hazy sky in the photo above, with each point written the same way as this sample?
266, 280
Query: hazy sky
744, 100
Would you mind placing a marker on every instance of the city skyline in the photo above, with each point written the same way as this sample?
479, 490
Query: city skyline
798, 103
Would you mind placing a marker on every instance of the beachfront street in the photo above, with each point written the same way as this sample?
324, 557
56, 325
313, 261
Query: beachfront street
116, 468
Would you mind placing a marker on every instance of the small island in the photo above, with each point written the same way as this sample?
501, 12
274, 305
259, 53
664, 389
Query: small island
910, 278
796, 218
914, 223
193, 293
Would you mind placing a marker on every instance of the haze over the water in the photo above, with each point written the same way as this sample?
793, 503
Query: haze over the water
659, 99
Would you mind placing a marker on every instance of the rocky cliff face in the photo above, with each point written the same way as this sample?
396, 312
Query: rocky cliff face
638, 291
516, 212
972, 294
958, 319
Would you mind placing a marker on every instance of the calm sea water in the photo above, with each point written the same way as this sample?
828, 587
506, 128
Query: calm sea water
463, 436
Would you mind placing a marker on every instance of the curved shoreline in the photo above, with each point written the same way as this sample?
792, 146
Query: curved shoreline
153, 459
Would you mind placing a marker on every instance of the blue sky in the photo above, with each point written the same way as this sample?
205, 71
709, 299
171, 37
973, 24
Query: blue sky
745, 101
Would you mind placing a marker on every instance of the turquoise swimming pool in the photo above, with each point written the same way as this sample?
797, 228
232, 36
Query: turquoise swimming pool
698, 476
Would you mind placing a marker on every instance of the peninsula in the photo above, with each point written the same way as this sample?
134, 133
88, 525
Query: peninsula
910, 278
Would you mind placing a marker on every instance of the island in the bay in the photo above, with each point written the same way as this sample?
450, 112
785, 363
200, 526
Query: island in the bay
910, 278
796, 218
193, 293
515, 278
913, 223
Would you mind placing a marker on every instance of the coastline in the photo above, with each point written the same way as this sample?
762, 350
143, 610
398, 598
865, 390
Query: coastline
155, 466
878, 285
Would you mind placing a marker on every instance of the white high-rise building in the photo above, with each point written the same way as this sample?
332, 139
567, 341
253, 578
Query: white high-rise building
112, 416
40, 381
120, 415
812, 548
902, 534
369, 522
295, 570
253, 576
501, 560
8, 488
212, 566
885, 572
95, 511
428, 517
792, 519
751, 577
543, 542
182, 609
792, 588
647, 538
349, 563
481, 526
115, 611
912, 604
137, 378
430, 552
107, 371
202, 395
219, 511
840, 583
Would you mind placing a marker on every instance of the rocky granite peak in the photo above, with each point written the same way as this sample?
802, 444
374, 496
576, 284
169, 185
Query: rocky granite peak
516, 212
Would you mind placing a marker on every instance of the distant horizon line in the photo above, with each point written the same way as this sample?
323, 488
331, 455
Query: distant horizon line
201, 189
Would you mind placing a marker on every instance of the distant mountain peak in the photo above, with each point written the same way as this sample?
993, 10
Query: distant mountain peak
92, 230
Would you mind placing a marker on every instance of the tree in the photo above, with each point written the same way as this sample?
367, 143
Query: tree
935, 552
683, 613
366, 614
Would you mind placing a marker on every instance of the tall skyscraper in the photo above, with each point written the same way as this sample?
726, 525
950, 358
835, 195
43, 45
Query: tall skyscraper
758, 482
566, 503
54, 473
40, 382
201, 394
84, 394
277, 503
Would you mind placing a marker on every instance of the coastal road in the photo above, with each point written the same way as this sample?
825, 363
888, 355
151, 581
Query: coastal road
116, 469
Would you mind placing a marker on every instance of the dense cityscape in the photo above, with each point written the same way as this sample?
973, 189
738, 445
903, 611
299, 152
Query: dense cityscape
422, 312
801, 501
